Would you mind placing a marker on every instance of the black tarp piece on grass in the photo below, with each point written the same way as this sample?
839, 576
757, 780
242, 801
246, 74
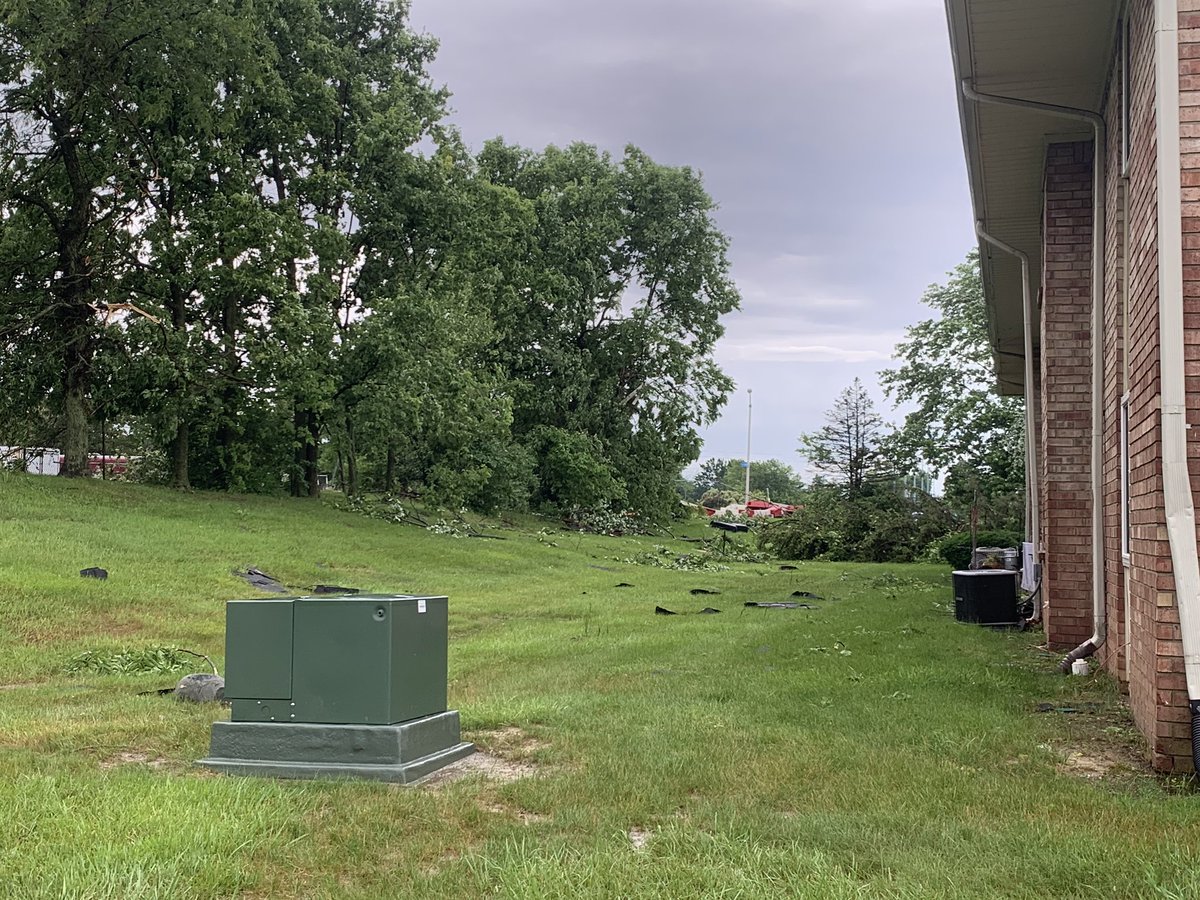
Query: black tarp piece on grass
261, 580
94, 572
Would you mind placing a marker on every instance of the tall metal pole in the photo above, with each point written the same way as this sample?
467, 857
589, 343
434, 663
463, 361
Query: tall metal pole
749, 413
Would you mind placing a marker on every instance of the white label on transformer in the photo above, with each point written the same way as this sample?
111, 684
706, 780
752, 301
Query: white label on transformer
420, 606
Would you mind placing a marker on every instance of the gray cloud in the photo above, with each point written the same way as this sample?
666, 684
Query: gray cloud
827, 132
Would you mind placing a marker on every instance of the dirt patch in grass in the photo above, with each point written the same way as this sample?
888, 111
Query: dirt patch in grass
510, 743
1096, 763
1097, 740
494, 768
504, 754
639, 838
132, 758
524, 816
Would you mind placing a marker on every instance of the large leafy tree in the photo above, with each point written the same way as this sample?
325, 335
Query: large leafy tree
81, 85
769, 478
960, 426
607, 318
337, 156
243, 230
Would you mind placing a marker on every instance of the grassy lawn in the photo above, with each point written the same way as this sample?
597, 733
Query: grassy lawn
870, 747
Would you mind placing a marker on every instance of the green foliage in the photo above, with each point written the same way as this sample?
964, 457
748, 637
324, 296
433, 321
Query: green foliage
712, 476
145, 660
573, 472
722, 481
268, 254
607, 308
886, 522
956, 548
961, 425
604, 520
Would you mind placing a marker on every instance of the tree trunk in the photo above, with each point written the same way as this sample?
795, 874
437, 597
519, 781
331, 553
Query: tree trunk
226, 432
351, 459
296, 479
74, 288
180, 476
179, 458
311, 450
389, 475
75, 437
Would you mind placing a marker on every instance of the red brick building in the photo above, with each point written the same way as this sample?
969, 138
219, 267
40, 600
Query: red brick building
1081, 124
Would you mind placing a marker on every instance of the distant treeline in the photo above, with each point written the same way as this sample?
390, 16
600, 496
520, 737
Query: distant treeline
241, 239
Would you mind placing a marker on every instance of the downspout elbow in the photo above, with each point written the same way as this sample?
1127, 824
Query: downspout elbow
1083, 651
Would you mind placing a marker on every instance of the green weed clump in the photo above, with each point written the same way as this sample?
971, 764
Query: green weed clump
143, 661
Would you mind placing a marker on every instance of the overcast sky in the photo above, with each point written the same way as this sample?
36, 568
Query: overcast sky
827, 132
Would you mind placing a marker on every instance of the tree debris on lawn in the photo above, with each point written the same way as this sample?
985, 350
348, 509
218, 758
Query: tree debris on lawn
94, 572
778, 604
261, 580
333, 589
661, 611
695, 592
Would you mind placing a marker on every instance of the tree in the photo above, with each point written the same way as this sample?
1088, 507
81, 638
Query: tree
82, 83
607, 314
885, 523
850, 446
769, 479
961, 426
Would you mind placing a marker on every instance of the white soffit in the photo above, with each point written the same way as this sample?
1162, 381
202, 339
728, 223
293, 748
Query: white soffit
1052, 51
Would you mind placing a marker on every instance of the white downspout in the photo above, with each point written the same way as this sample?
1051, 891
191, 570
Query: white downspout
1099, 618
1177, 485
1033, 523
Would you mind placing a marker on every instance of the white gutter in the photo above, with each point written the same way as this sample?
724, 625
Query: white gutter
1033, 521
1099, 131
1177, 485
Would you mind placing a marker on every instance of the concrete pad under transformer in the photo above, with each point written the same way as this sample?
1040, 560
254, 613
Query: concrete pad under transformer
400, 753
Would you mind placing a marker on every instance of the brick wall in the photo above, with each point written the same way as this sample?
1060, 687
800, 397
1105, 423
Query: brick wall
1149, 552
1170, 684
1112, 653
1066, 394
1154, 667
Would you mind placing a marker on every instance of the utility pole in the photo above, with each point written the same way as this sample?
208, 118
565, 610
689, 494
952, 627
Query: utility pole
749, 413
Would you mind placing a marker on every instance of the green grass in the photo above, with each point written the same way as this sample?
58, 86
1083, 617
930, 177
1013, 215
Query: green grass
869, 748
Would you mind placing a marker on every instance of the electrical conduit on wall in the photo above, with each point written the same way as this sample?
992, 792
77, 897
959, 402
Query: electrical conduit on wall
1099, 617
1177, 486
1032, 522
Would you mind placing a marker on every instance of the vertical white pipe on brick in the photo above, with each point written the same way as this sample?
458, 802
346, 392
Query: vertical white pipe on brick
1177, 483
1099, 613
1033, 522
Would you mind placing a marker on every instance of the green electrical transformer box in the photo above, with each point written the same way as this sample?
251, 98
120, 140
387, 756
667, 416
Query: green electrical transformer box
366, 659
